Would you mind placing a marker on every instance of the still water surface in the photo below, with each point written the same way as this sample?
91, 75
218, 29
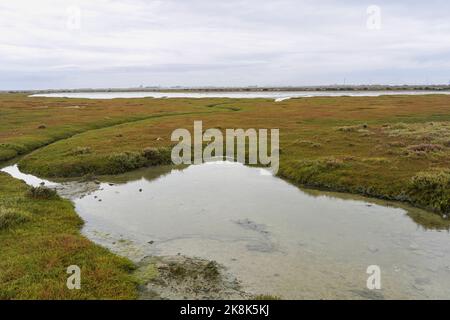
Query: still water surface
276, 95
274, 237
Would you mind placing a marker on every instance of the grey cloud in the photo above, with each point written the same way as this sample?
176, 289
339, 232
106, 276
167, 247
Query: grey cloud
236, 42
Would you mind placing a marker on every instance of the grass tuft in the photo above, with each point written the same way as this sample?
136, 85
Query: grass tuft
157, 156
432, 189
12, 217
126, 161
42, 193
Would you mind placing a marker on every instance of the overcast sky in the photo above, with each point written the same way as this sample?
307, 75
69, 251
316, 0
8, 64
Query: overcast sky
112, 43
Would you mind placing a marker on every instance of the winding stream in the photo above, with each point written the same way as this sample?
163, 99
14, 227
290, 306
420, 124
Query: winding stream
274, 237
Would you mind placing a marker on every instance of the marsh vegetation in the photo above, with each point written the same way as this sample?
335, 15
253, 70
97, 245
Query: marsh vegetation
389, 147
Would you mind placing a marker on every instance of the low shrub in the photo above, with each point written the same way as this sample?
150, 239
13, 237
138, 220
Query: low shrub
157, 156
306, 171
432, 189
41, 192
126, 161
12, 217
428, 132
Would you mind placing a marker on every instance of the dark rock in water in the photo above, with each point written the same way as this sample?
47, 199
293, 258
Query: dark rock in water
140, 190
97, 182
111, 184
250, 225
263, 245
99, 200
42, 183
151, 242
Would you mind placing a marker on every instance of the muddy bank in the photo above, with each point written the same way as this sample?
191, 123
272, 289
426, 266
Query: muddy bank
181, 277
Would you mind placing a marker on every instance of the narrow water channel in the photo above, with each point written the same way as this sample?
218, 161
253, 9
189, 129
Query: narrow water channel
274, 237
276, 95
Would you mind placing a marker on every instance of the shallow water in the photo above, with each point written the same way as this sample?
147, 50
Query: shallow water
31, 180
271, 235
277, 95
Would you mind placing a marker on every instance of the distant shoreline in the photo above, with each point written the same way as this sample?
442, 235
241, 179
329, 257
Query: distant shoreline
336, 88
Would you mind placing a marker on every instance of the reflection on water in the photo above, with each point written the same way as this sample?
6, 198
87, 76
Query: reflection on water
277, 95
273, 236
28, 178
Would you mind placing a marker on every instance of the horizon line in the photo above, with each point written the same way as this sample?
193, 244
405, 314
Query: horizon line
337, 87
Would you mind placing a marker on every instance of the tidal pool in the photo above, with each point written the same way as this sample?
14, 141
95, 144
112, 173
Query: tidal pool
274, 237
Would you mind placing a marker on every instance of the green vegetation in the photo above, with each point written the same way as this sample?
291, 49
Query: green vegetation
40, 238
389, 147
372, 146
29, 123
9, 217
42, 192
432, 189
